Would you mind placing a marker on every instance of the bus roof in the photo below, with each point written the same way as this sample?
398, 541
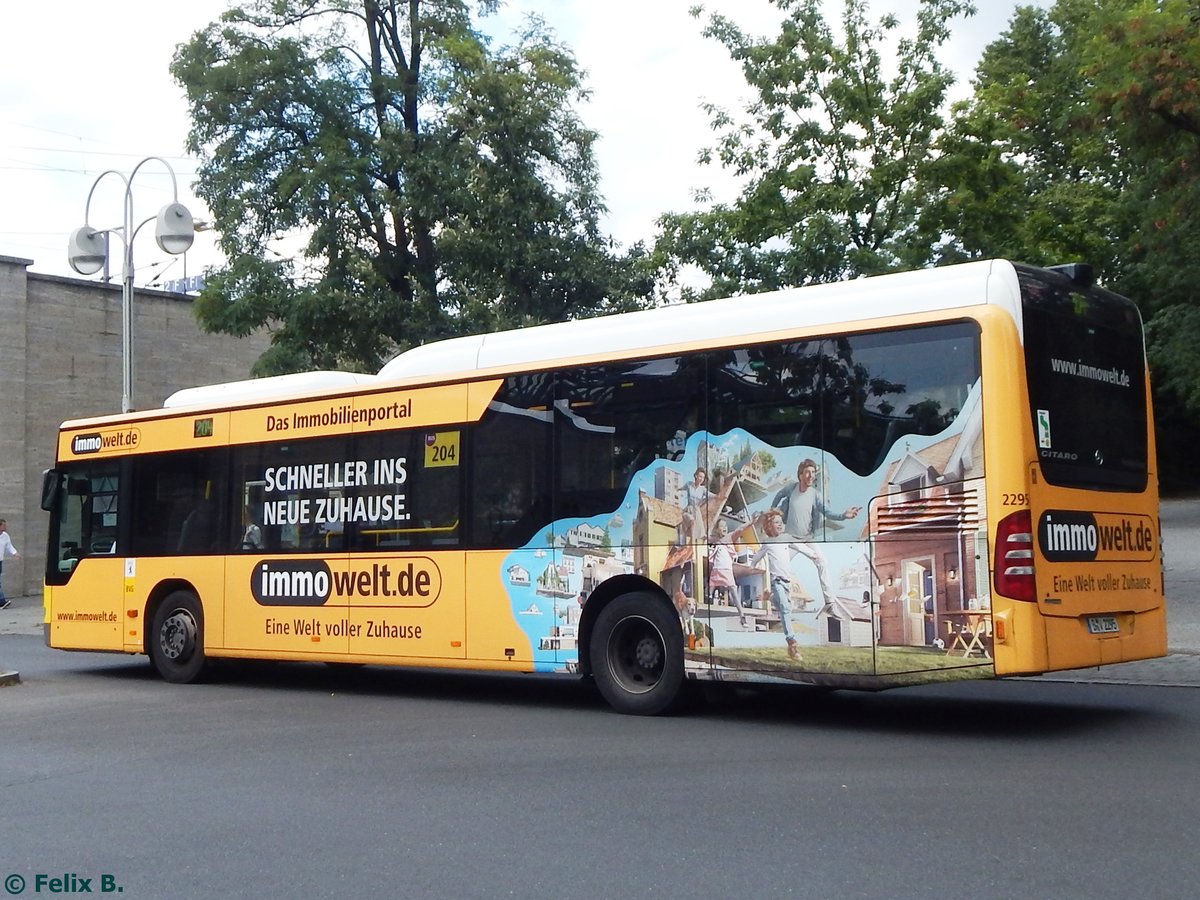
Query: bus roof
927, 290
991, 282
232, 392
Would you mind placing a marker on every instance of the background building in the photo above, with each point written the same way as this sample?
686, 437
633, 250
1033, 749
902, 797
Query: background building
60, 358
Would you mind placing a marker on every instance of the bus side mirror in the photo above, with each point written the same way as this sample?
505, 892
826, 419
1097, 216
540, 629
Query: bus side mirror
50, 488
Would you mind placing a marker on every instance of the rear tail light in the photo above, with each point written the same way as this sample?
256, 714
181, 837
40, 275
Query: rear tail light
1013, 563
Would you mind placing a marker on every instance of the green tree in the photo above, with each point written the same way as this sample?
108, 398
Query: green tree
437, 185
832, 150
1028, 169
1082, 142
1145, 64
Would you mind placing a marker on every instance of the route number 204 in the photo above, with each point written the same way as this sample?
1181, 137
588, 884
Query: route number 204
441, 449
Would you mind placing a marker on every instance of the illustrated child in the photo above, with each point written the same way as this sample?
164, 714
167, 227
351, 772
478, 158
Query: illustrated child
692, 498
779, 556
722, 551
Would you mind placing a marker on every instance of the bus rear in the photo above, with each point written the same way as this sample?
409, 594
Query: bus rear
1079, 564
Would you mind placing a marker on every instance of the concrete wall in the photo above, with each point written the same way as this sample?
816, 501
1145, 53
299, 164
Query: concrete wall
60, 358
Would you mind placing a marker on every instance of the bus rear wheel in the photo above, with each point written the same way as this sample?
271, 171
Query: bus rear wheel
176, 642
637, 655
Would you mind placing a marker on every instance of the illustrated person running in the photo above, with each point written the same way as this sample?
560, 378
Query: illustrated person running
6, 549
803, 511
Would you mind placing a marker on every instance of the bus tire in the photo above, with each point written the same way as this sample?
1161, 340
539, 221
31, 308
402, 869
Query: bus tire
637, 654
176, 644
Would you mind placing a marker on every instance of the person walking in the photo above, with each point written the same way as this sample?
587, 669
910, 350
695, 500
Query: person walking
6, 549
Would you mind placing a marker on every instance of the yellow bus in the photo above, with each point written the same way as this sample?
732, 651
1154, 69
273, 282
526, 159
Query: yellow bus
919, 477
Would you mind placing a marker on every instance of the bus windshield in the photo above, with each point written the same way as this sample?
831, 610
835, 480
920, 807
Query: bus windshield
1085, 362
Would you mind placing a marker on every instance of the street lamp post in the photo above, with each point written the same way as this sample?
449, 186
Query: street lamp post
87, 252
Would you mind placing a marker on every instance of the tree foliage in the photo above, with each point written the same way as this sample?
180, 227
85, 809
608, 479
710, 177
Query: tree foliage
380, 176
832, 150
1026, 169
1144, 64
1082, 142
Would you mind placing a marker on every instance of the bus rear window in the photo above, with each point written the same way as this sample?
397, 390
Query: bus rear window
1085, 362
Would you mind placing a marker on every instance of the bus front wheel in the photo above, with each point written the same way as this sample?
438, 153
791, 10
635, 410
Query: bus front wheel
637, 655
177, 638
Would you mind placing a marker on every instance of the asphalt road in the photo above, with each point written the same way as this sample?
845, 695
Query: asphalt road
305, 780
301, 780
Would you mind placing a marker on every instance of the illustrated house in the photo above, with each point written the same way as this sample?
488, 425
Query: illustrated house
595, 569
928, 536
585, 536
554, 582
654, 531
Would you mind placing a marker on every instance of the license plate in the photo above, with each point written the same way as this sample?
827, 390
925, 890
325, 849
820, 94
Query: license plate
1102, 625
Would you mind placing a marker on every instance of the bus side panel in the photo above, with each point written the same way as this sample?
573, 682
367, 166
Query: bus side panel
82, 617
410, 606
143, 579
933, 608
382, 608
285, 607
504, 612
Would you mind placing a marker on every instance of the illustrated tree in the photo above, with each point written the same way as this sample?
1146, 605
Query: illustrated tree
832, 151
380, 176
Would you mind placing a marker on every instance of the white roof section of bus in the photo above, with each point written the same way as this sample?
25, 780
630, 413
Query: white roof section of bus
929, 290
925, 291
233, 392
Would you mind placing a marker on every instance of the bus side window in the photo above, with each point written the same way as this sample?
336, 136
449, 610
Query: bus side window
769, 390
613, 421
510, 465
177, 503
411, 495
881, 386
86, 517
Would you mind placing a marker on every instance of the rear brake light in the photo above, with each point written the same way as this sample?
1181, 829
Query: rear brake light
1013, 563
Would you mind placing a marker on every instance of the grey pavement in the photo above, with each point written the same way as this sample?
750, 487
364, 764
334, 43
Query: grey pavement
1180, 667
22, 616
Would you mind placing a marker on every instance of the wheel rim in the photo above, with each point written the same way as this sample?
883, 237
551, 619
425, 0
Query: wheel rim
177, 639
637, 654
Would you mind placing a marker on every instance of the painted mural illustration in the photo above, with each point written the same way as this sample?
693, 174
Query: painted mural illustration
781, 562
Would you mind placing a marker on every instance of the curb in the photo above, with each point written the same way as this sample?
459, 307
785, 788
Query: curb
9, 678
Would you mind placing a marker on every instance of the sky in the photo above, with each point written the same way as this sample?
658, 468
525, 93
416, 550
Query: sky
87, 90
